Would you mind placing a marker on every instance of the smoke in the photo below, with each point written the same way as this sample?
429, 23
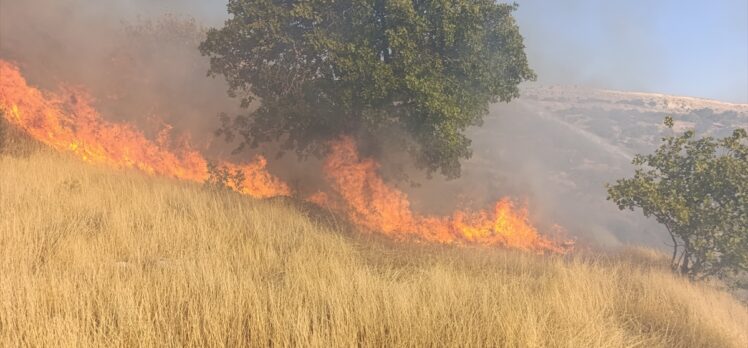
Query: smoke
559, 172
140, 60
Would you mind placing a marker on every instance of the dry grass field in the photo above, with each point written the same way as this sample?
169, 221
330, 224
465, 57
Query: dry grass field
95, 257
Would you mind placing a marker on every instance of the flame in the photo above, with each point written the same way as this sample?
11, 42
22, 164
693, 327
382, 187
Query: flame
371, 203
66, 121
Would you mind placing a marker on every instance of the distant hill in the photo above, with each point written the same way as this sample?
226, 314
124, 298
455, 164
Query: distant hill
557, 146
631, 121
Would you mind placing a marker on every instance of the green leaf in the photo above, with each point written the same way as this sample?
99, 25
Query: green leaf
421, 72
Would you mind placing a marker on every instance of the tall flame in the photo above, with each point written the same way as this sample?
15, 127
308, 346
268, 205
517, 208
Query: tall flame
66, 121
371, 203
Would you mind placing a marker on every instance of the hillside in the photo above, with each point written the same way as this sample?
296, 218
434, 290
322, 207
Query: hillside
95, 257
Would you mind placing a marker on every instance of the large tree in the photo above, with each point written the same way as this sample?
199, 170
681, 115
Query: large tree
698, 189
419, 70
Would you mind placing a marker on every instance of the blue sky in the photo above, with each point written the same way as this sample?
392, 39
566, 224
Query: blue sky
692, 48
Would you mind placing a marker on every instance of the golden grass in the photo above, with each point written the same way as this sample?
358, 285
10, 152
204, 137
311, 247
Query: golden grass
94, 257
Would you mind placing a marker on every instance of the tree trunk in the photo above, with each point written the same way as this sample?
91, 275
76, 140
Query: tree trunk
684, 267
673, 263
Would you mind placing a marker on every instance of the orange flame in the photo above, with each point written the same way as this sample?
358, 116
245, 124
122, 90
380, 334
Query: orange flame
67, 122
371, 203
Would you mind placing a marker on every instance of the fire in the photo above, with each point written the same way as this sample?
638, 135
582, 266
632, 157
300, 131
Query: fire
371, 203
66, 121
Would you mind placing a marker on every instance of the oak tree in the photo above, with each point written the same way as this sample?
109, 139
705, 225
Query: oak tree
698, 189
422, 71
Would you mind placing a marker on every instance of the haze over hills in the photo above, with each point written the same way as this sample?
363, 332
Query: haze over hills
557, 147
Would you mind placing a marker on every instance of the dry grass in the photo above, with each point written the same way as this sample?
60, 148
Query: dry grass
92, 257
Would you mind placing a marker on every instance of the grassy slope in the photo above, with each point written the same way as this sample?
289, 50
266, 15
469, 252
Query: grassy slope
90, 256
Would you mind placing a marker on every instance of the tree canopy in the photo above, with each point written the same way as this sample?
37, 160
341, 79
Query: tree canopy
421, 70
698, 189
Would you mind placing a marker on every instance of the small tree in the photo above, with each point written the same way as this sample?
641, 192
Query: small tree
698, 189
420, 70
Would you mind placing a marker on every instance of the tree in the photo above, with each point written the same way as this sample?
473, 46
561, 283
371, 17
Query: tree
420, 70
698, 189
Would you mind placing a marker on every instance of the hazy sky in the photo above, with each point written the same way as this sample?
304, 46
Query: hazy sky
687, 47
684, 47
